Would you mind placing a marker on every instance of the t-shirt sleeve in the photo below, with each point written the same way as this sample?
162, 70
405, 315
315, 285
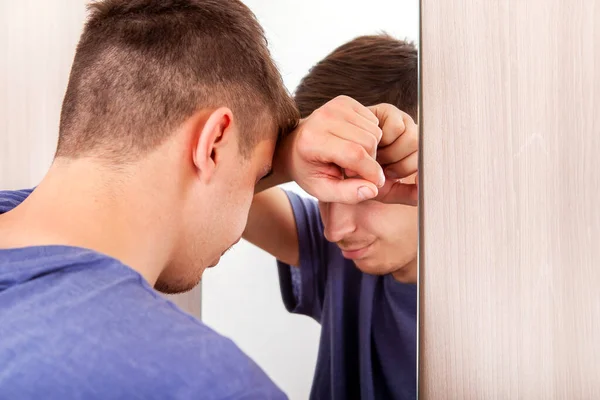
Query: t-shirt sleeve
9, 199
303, 288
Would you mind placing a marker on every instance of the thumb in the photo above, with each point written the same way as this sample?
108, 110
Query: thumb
402, 193
347, 191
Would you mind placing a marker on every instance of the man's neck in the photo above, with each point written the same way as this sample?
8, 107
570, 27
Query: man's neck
407, 273
80, 203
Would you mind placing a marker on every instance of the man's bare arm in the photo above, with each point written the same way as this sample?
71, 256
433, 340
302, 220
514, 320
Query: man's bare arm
272, 227
271, 224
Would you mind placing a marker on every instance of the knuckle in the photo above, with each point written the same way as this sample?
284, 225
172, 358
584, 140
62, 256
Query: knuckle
378, 134
355, 153
342, 98
403, 129
372, 143
323, 112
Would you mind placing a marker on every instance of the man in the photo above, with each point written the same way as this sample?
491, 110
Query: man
170, 118
353, 267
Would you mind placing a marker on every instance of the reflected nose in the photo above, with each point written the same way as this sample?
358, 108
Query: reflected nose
338, 220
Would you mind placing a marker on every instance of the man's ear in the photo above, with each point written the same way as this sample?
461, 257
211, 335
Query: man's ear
211, 137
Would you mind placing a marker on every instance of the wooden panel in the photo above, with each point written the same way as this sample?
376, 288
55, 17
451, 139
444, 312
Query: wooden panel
510, 234
190, 302
37, 45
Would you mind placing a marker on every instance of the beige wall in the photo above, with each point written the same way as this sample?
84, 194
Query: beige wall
510, 252
37, 44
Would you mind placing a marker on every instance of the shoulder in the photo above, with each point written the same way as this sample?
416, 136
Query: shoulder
299, 203
9, 199
309, 224
190, 358
204, 362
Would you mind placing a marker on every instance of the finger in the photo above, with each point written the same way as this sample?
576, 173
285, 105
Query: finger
349, 111
348, 132
393, 122
366, 126
401, 193
347, 191
403, 168
360, 117
351, 156
359, 108
414, 178
402, 147
348, 173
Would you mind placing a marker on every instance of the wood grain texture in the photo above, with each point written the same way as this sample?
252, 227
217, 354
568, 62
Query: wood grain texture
510, 234
37, 45
190, 302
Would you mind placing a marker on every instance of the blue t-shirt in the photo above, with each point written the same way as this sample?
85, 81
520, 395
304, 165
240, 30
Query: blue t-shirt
76, 324
368, 323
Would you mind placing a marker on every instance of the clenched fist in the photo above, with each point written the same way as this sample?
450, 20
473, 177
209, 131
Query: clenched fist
340, 152
342, 135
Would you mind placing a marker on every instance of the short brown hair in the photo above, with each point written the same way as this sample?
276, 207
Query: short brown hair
371, 69
142, 67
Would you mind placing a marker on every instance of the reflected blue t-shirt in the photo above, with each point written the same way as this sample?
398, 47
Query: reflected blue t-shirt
76, 324
368, 323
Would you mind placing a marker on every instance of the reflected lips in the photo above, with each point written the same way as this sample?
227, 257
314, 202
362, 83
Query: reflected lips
354, 254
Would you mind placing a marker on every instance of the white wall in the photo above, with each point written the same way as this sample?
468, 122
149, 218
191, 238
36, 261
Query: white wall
241, 297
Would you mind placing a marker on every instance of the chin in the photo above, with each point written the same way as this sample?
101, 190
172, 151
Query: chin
375, 265
378, 266
174, 289
371, 266
178, 283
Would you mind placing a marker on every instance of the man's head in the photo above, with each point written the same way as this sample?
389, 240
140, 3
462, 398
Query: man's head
186, 88
380, 238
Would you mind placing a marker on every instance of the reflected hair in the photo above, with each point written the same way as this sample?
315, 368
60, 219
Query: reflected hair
371, 69
142, 67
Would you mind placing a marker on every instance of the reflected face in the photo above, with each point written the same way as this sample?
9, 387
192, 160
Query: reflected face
380, 238
215, 216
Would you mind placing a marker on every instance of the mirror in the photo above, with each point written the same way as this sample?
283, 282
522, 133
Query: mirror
245, 296
335, 318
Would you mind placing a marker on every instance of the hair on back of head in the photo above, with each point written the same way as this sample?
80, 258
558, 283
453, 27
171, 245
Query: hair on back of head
142, 67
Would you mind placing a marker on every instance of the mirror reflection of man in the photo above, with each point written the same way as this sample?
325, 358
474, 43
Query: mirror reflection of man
171, 117
353, 267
